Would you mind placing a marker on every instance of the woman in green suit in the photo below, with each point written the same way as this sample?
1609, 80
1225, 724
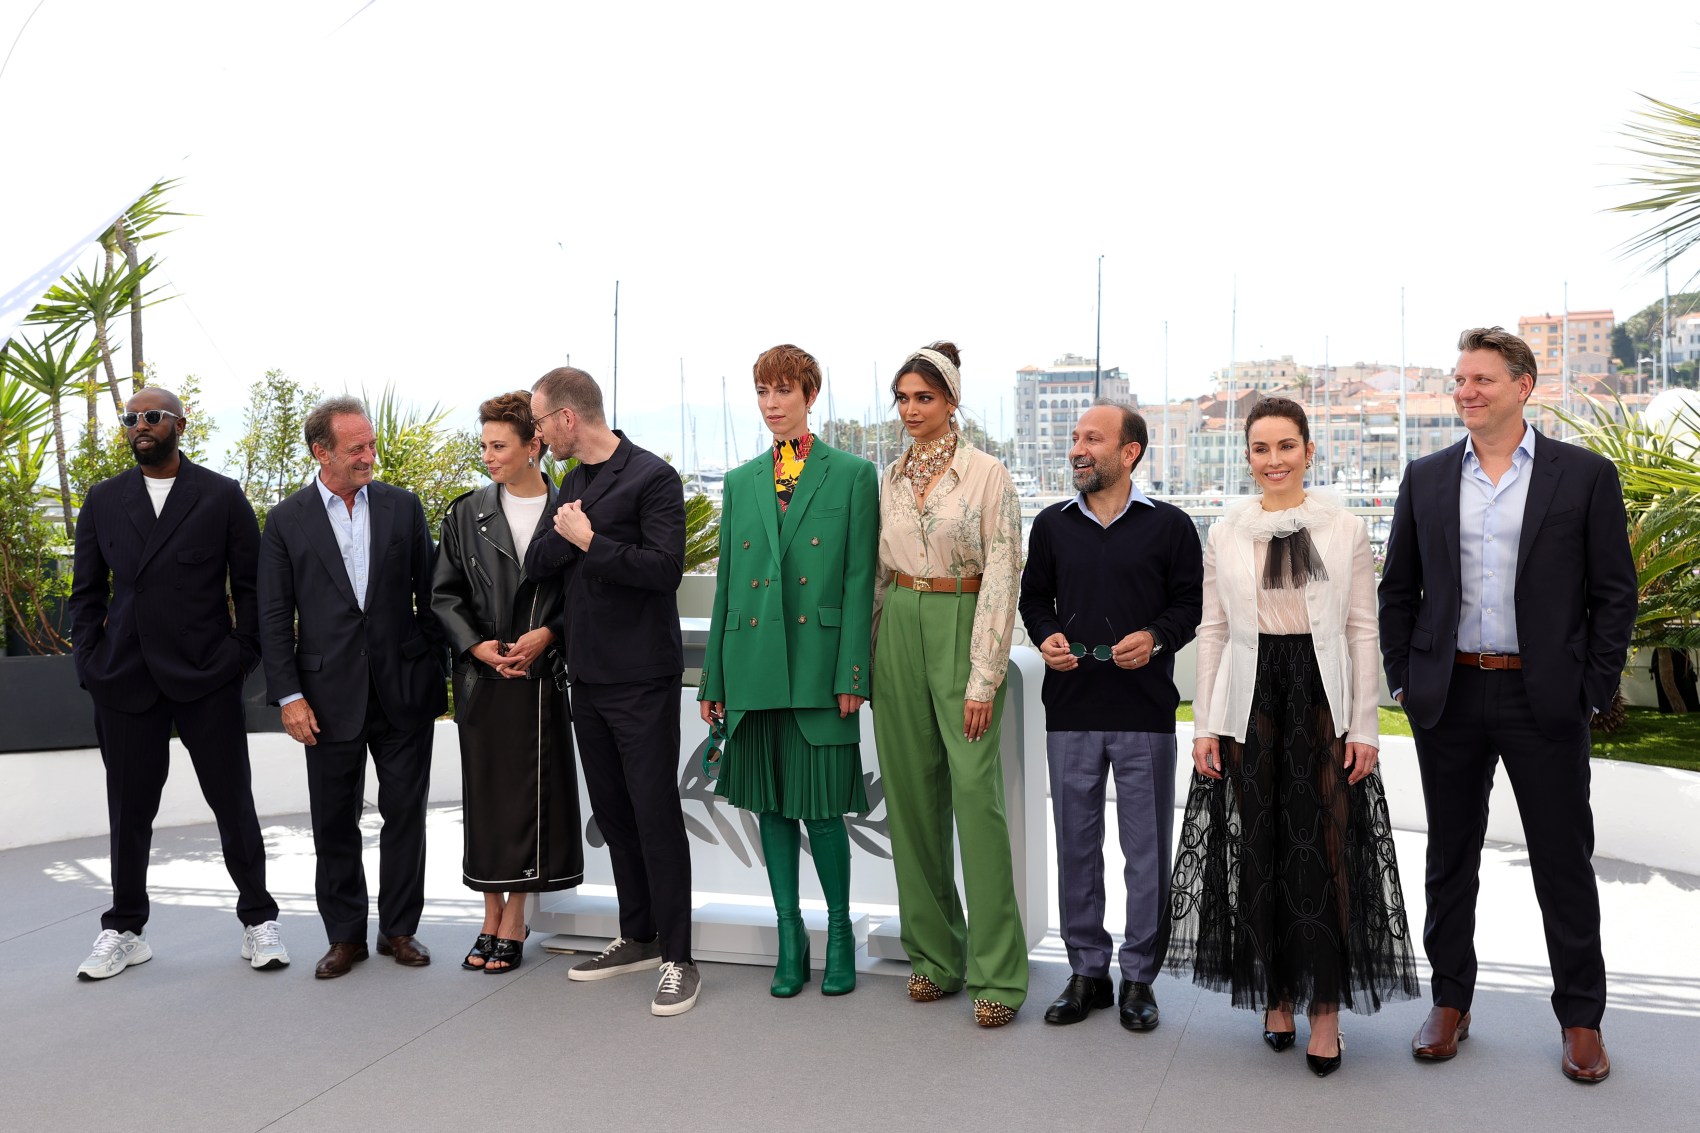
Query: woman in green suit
786, 667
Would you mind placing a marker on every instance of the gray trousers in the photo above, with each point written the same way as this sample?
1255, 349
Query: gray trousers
1143, 764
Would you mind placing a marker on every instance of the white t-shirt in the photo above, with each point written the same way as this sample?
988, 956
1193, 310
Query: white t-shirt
158, 489
522, 514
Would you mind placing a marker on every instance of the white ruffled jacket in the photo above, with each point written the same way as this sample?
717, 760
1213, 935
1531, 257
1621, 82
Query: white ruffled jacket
1341, 611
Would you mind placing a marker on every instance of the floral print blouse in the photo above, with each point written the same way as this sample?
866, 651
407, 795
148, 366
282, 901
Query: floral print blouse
971, 525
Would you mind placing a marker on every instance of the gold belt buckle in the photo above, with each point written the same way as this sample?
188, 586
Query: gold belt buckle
1482, 658
923, 585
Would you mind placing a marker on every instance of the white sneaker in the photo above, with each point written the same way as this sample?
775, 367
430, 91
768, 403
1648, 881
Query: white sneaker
262, 946
113, 952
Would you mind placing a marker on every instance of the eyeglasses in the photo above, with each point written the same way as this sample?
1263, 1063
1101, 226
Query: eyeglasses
716, 743
536, 421
151, 416
1095, 652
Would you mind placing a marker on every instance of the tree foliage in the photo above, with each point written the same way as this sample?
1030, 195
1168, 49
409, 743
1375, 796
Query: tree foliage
271, 458
32, 583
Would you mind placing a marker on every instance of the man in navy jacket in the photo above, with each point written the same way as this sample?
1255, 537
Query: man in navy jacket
356, 661
164, 553
1507, 603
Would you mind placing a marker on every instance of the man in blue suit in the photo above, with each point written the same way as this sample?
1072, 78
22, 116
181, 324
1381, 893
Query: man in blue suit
164, 553
1507, 603
357, 662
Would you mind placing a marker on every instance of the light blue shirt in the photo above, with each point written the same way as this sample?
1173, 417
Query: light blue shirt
1134, 495
353, 535
353, 538
1490, 523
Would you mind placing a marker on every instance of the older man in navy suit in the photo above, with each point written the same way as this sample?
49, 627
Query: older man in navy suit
1506, 609
159, 548
357, 662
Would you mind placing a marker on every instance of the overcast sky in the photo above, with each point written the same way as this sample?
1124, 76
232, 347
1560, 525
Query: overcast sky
442, 195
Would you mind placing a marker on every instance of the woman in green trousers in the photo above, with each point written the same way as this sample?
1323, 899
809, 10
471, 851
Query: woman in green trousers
950, 570
786, 668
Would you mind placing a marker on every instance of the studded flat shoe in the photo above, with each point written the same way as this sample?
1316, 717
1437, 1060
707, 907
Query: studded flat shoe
923, 990
991, 1013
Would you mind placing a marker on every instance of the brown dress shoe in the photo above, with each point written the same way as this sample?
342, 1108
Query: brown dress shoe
1438, 1038
406, 950
339, 960
1585, 1059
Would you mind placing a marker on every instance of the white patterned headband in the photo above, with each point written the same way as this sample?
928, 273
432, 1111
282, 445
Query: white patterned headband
952, 376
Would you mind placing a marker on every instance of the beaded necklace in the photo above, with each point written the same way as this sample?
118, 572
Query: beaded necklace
926, 459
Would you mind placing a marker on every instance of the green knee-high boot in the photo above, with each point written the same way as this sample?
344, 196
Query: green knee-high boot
830, 844
781, 845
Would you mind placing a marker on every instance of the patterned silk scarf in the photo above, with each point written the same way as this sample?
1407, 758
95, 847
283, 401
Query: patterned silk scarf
788, 458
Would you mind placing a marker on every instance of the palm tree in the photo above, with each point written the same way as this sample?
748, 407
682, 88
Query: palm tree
1668, 137
81, 300
55, 367
138, 221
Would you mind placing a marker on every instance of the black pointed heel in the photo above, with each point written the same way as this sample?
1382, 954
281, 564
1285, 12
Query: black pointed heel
1323, 1067
1278, 1040
508, 952
481, 949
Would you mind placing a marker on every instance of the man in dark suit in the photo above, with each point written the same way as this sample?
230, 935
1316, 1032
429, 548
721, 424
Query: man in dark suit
158, 549
355, 659
1507, 603
620, 536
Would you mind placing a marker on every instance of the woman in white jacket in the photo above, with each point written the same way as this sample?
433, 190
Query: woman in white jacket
1286, 889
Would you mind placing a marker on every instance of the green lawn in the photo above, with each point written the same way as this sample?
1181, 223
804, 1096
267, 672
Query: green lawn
1663, 739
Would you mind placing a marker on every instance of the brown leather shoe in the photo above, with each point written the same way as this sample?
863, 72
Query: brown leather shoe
1585, 1059
338, 961
406, 950
1438, 1038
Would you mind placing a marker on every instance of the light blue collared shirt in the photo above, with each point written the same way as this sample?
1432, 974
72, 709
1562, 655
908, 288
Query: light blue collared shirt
1490, 523
353, 538
1134, 495
353, 535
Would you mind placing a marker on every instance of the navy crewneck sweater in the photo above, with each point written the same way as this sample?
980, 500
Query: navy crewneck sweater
1146, 571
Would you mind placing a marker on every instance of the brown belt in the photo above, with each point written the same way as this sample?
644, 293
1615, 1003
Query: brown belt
1490, 660
936, 585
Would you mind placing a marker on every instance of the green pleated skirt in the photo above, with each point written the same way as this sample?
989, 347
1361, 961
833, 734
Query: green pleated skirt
768, 766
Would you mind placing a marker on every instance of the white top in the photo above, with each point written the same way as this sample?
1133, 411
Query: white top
522, 514
158, 489
1339, 614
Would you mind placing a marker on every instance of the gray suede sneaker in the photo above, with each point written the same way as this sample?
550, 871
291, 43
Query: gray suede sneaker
617, 959
677, 992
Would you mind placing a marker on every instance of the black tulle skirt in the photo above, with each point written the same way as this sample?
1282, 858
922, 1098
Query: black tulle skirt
1286, 887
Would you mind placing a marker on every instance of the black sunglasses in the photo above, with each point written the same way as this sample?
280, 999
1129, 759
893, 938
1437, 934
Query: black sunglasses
151, 416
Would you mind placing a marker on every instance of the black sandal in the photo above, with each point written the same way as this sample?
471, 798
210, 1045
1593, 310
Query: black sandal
504, 951
480, 948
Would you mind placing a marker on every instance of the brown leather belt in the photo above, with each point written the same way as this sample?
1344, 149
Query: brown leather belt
1497, 661
936, 585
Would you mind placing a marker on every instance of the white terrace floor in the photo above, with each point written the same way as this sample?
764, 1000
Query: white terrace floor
195, 1040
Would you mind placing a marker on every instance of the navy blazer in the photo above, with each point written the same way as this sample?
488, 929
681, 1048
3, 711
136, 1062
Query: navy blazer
1575, 595
623, 594
316, 639
149, 612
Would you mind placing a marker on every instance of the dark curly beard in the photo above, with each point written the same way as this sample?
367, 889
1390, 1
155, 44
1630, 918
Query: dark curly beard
161, 453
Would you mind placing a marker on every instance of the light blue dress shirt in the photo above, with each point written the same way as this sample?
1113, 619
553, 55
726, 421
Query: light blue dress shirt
1490, 523
353, 533
353, 538
1134, 495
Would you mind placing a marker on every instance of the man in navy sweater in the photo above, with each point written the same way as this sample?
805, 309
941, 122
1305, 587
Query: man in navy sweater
1114, 586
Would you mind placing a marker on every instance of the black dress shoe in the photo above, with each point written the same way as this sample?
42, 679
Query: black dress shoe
1278, 1040
1081, 996
1138, 1007
1323, 1066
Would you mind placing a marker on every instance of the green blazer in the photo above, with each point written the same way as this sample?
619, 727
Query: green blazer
794, 593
